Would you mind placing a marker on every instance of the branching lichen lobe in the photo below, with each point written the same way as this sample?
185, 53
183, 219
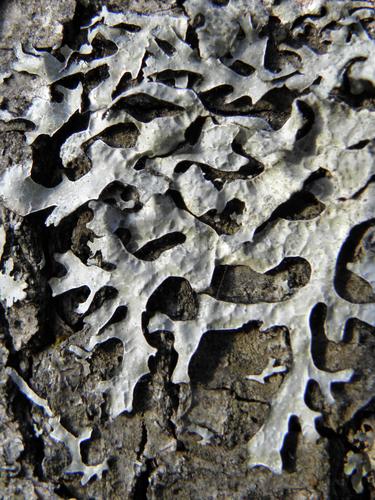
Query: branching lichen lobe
170, 138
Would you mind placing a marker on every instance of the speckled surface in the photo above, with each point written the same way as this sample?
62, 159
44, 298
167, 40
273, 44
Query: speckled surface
222, 183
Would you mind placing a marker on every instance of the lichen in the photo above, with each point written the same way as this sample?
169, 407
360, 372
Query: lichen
361, 462
12, 288
155, 66
60, 434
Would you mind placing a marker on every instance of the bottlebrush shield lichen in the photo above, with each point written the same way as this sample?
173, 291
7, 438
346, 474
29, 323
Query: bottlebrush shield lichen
153, 63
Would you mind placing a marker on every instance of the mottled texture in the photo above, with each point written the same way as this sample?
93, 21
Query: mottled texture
204, 168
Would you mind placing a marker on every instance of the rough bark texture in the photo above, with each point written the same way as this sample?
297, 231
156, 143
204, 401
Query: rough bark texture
155, 452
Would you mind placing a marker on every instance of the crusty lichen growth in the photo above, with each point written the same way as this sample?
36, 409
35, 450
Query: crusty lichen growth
161, 70
361, 462
12, 288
